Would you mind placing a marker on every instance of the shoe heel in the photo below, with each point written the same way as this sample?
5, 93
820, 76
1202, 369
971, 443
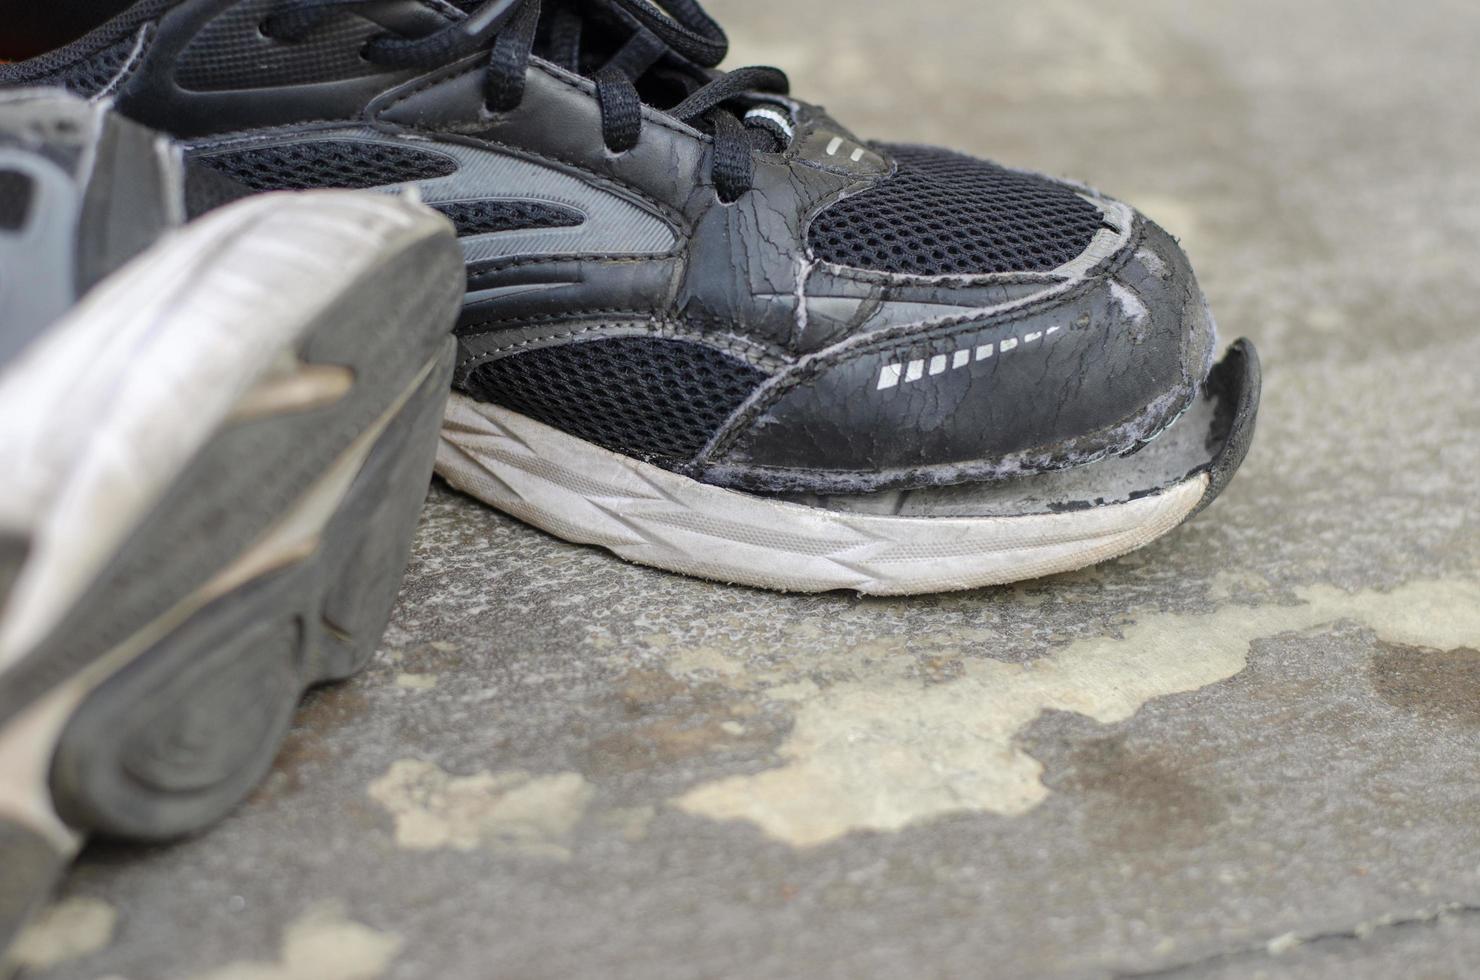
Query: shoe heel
174, 740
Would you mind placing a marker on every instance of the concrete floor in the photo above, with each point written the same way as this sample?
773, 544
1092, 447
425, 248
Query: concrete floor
1248, 750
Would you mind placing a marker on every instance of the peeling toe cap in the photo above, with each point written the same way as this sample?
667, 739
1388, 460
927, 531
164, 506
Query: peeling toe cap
1095, 364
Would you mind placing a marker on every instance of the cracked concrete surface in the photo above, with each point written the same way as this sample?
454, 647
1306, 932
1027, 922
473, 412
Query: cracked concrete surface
1246, 751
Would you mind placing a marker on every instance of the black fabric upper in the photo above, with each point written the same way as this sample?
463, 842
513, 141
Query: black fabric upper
328, 163
689, 266
945, 214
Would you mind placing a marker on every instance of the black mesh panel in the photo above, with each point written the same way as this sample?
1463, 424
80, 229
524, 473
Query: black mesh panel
483, 217
328, 163
948, 214
644, 396
207, 190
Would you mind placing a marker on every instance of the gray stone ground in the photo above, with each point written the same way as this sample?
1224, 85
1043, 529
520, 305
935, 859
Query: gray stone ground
1248, 750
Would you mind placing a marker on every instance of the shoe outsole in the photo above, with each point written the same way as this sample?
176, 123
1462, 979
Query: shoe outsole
158, 732
651, 516
171, 742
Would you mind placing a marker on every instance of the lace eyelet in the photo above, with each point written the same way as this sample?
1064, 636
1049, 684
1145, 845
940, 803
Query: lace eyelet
265, 31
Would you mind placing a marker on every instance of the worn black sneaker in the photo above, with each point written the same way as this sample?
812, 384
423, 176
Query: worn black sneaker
707, 327
215, 442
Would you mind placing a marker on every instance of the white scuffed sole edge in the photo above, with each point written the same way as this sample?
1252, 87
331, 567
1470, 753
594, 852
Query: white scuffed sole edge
101, 414
648, 515
29, 741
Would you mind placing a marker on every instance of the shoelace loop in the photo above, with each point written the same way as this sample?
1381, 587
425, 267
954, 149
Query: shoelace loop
672, 41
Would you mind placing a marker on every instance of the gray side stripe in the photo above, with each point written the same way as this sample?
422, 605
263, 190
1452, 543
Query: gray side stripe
613, 225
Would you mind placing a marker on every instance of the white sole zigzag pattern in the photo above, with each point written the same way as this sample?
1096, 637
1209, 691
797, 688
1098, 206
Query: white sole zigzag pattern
648, 515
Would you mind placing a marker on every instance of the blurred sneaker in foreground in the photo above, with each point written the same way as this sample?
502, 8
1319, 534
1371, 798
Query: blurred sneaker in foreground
215, 441
708, 327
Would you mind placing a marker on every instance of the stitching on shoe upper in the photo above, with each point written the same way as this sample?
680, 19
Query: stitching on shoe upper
142, 40
753, 353
516, 262
906, 279
252, 136
772, 351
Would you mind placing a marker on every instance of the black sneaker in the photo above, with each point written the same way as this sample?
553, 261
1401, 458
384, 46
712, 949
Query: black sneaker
215, 441
707, 327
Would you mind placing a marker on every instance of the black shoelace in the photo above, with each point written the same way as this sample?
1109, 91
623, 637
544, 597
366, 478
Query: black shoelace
672, 45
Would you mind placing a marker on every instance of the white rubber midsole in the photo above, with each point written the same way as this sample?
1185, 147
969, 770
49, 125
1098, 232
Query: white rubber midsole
646, 514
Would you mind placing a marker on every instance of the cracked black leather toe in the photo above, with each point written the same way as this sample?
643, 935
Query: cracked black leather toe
1098, 359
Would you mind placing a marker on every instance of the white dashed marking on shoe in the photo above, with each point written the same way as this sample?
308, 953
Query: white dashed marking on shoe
897, 373
856, 155
832, 148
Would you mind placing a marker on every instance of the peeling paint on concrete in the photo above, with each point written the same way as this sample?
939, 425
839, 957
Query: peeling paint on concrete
321, 945
701, 660
885, 753
68, 930
631, 823
416, 682
511, 811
